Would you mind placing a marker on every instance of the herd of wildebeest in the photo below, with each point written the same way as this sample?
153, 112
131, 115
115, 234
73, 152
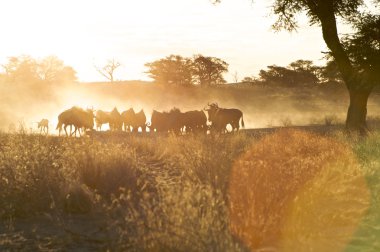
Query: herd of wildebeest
195, 121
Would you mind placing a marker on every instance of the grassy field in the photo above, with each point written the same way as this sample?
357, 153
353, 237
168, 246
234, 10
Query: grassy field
287, 190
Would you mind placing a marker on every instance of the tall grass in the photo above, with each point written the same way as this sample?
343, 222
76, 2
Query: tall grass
153, 193
289, 191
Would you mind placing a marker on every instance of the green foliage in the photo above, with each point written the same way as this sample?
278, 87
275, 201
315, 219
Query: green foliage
363, 47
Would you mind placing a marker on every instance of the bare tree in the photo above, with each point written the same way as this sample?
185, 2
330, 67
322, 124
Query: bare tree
109, 69
235, 77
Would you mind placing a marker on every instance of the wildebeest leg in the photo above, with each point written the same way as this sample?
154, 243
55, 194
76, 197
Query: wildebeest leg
75, 131
66, 129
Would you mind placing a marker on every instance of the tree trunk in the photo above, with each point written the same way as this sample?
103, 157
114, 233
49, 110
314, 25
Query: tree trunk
357, 111
359, 93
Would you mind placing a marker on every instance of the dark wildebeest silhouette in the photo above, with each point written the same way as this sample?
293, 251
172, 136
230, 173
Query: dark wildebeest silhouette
113, 118
133, 121
77, 117
43, 126
171, 121
139, 121
194, 121
221, 117
127, 118
159, 121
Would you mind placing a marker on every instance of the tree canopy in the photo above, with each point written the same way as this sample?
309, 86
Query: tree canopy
183, 71
209, 71
358, 73
27, 70
298, 73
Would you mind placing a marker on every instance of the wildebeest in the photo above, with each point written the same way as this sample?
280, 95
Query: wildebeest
159, 121
176, 121
165, 121
113, 118
127, 119
139, 121
77, 117
43, 126
133, 121
221, 117
194, 121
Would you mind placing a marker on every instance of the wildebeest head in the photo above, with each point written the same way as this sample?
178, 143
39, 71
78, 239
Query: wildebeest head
211, 110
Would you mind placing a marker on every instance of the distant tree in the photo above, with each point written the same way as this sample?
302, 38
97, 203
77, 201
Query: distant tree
235, 77
51, 69
303, 65
330, 72
22, 69
325, 13
306, 71
209, 71
108, 70
296, 74
172, 70
248, 79
26, 70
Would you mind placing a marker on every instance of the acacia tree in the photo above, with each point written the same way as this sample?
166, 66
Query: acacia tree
172, 70
209, 70
363, 47
298, 73
325, 13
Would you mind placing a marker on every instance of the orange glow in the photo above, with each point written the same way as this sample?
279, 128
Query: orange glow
84, 33
296, 191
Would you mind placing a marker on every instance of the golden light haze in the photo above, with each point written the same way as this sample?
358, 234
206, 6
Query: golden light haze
87, 33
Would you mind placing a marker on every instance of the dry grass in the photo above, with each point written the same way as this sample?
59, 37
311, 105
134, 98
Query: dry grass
189, 193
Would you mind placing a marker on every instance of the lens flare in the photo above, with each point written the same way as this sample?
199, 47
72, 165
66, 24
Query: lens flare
296, 191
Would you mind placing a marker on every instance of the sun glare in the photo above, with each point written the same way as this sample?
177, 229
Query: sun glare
84, 33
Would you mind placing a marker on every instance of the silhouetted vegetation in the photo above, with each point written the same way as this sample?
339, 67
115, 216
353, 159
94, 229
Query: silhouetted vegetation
301, 72
364, 41
208, 71
108, 69
25, 70
182, 71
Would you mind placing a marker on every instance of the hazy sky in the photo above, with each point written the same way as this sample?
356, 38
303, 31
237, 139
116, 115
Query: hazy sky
84, 33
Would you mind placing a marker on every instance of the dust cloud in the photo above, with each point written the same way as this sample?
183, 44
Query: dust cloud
262, 106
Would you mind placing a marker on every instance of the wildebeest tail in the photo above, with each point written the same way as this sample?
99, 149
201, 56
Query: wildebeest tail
59, 125
242, 121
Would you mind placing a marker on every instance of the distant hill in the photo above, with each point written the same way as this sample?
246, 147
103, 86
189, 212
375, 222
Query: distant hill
124, 82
